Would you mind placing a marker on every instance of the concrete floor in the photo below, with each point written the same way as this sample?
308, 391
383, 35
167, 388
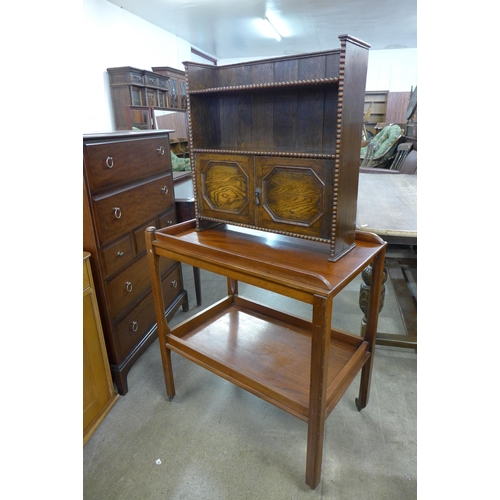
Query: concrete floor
216, 441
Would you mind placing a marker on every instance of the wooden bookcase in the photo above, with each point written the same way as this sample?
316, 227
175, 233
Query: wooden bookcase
281, 153
177, 87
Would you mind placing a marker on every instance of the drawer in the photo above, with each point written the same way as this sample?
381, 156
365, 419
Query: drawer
136, 324
171, 285
114, 163
133, 327
117, 255
130, 284
168, 219
125, 210
139, 236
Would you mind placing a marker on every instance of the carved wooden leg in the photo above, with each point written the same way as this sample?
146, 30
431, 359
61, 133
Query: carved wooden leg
364, 294
320, 344
376, 277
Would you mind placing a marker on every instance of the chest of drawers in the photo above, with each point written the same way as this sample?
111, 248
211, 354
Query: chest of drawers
127, 186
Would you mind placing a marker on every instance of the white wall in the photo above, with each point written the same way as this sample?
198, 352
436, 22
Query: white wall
394, 70
114, 37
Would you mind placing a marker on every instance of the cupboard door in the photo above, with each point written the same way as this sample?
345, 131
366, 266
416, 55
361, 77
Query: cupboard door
296, 195
227, 188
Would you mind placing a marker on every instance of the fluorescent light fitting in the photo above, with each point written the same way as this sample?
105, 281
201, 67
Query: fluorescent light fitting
272, 30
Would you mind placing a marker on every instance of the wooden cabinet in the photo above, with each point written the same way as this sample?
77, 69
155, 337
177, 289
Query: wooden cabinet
282, 150
99, 394
177, 87
127, 186
302, 366
134, 92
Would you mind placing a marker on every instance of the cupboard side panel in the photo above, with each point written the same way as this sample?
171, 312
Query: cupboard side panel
351, 124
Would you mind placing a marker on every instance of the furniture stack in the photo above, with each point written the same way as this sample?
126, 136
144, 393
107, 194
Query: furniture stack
127, 186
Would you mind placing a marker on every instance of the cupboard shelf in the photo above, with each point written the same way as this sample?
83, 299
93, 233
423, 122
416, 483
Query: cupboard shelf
266, 86
289, 154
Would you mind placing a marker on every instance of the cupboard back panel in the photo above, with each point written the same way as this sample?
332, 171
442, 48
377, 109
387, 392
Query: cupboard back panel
332, 65
206, 129
302, 120
236, 120
262, 73
262, 121
329, 134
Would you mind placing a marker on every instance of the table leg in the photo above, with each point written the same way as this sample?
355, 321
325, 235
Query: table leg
197, 285
163, 329
320, 344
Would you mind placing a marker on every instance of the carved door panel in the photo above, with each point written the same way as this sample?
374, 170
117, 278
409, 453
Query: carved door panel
295, 195
227, 189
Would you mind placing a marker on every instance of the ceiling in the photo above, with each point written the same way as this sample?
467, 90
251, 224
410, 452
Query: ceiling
226, 29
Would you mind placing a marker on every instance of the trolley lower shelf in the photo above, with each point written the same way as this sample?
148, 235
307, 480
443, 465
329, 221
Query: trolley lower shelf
267, 352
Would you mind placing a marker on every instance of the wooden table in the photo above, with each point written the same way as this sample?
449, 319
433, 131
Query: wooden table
303, 367
387, 206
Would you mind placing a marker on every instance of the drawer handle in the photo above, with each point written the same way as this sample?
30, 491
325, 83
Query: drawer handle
170, 222
118, 212
134, 326
161, 151
120, 254
109, 162
164, 189
173, 284
128, 286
